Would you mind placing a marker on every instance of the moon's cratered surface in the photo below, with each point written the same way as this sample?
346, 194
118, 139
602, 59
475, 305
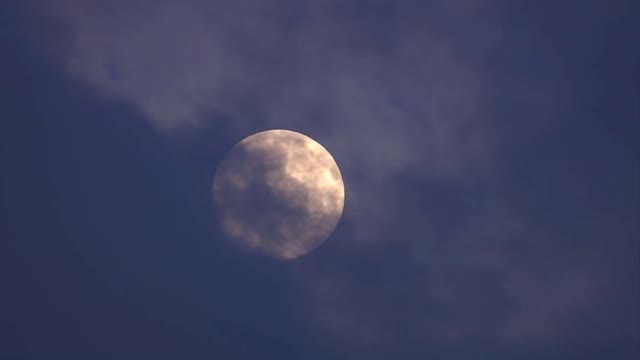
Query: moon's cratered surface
278, 192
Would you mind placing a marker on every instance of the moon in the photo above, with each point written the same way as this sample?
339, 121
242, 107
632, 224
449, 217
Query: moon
279, 193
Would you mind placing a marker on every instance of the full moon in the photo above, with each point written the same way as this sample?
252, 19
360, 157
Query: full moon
278, 192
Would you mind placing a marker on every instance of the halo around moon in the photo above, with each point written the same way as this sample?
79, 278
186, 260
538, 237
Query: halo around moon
278, 192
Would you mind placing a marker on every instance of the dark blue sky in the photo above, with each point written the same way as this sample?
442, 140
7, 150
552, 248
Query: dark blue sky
489, 152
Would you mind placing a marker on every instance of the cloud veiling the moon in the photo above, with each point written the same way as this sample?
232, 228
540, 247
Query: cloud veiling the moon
393, 93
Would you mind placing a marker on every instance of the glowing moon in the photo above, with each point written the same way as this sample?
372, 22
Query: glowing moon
278, 192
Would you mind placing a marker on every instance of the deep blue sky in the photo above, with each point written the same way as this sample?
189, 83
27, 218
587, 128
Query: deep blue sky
518, 239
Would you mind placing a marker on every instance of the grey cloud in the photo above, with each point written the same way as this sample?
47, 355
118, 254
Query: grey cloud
408, 106
392, 93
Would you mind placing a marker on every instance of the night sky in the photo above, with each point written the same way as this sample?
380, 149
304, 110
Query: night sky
489, 151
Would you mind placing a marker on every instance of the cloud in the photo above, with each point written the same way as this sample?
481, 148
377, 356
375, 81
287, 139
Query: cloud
382, 107
406, 98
